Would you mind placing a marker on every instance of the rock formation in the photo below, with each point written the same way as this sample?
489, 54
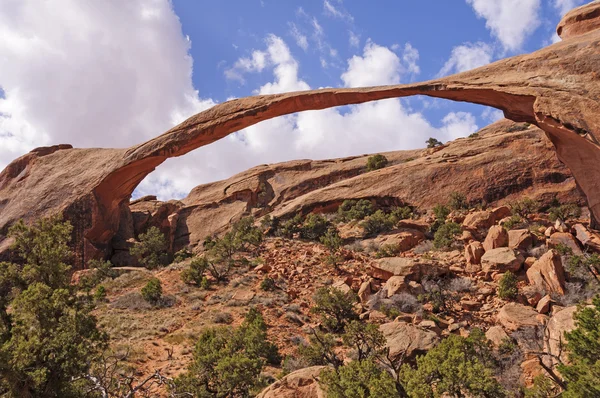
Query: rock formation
556, 88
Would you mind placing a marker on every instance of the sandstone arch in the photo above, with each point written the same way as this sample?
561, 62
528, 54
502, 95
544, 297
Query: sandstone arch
556, 88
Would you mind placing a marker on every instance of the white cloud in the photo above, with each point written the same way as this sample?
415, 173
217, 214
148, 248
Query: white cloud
92, 74
511, 21
564, 6
492, 115
358, 129
335, 12
466, 57
301, 39
256, 63
410, 58
353, 39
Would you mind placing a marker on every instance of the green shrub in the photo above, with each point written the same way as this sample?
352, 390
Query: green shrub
99, 270
507, 286
515, 220
524, 207
47, 333
458, 201
332, 240
100, 293
228, 362
402, 213
194, 273
474, 135
335, 307
268, 284
182, 255
582, 374
441, 212
290, 227
445, 236
358, 379
518, 127
151, 249
355, 210
376, 162
314, 227
378, 222
456, 367
152, 292
564, 212
388, 250
433, 142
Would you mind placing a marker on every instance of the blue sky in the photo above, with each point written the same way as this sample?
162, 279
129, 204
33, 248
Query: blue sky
112, 73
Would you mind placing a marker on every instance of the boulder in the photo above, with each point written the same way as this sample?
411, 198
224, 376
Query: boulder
496, 335
473, 253
558, 324
587, 238
565, 239
496, 237
301, 383
412, 268
501, 260
543, 306
560, 226
520, 239
364, 291
403, 240
514, 316
479, 220
402, 337
548, 273
501, 212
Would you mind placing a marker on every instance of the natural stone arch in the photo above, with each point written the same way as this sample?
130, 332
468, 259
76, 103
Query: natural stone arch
556, 88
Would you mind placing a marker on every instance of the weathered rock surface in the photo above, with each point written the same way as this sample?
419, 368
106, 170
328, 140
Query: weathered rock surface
473, 253
520, 239
514, 316
410, 268
587, 238
557, 326
565, 239
496, 237
556, 88
402, 337
299, 384
548, 273
501, 259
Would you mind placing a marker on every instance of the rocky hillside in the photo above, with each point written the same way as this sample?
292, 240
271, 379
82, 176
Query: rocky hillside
499, 163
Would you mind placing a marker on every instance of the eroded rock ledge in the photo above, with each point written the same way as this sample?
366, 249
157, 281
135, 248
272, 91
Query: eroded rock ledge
556, 88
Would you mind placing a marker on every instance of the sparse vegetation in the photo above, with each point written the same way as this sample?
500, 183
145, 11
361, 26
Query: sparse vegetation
314, 227
564, 212
507, 286
194, 273
446, 234
268, 284
376, 162
378, 222
458, 201
182, 255
334, 307
152, 291
228, 362
355, 210
433, 142
524, 207
151, 249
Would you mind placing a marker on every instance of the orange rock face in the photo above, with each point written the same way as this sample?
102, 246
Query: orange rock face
556, 88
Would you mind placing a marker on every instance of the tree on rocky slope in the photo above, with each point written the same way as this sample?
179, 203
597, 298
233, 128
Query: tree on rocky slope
49, 334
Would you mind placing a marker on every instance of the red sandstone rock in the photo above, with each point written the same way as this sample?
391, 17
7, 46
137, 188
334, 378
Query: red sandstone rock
548, 273
496, 237
502, 259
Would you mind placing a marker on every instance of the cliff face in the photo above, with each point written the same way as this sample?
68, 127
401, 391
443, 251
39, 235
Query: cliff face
503, 161
556, 88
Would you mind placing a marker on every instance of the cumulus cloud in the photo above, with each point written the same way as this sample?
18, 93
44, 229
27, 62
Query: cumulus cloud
492, 115
353, 39
299, 37
466, 57
92, 74
564, 6
510, 21
358, 129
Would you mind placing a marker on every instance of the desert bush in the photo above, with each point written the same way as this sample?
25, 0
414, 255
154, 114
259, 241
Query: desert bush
358, 379
402, 213
378, 222
314, 227
524, 207
388, 250
331, 240
99, 271
460, 285
507, 286
518, 127
440, 213
446, 234
564, 212
376, 162
437, 294
228, 362
458, 201
335, 307
182, 255
268, 284
355, 210
194, 273
100, 293
152, 291
222, 317
288, 228
456, 367
47, 333
433, 142
151, 249
514, 221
